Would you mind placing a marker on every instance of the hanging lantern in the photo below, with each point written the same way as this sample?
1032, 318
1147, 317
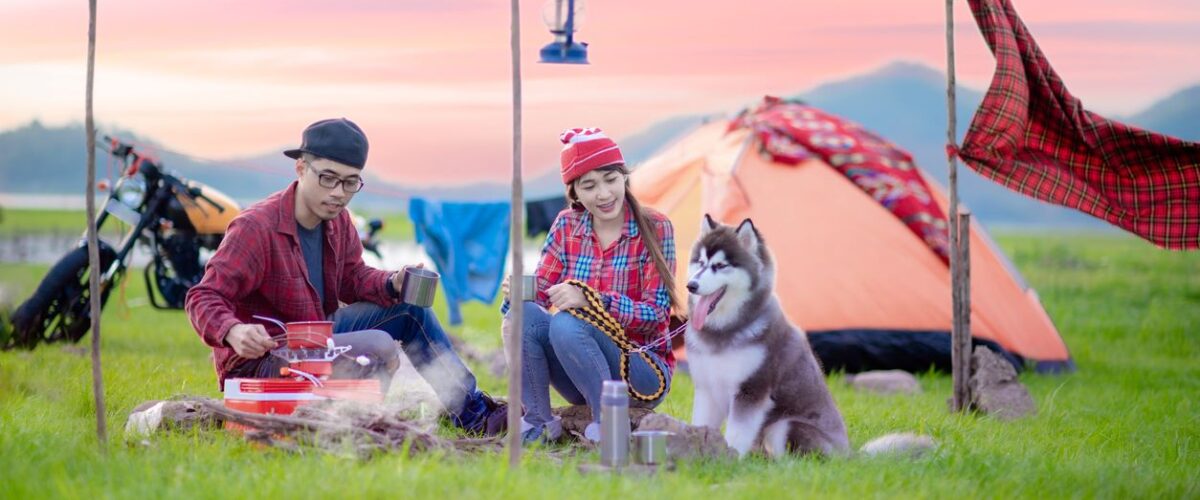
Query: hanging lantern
563, 17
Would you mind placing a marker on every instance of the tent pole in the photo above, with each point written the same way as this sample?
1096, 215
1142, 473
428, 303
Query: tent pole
515, 284
960, 337
94, 245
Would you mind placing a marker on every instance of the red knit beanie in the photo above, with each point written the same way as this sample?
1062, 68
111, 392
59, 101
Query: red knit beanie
585, 150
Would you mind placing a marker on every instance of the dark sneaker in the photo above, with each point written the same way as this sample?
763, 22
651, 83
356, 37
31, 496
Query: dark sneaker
495, 416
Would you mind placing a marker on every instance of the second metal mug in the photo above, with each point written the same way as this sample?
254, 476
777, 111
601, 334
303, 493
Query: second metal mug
418, 286
650, 447
528, 288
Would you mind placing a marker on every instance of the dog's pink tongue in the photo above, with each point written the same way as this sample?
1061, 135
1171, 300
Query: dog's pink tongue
701, 311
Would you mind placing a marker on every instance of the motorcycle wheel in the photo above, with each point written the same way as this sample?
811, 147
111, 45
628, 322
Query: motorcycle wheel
60, 309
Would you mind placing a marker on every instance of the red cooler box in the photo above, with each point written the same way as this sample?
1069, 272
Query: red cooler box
282, 396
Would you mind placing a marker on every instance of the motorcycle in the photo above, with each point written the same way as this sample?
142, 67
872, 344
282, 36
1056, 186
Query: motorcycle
174, 217
368, 231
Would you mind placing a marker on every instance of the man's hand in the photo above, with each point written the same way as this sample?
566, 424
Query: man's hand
504, 286
249, 340
566, 296
398, 278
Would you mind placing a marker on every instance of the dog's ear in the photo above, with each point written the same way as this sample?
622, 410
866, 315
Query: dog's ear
748, 235
707, 224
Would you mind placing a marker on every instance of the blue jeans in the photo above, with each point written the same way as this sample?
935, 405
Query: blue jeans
576, 358
428, 348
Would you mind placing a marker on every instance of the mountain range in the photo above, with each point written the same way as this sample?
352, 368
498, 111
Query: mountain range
903, 102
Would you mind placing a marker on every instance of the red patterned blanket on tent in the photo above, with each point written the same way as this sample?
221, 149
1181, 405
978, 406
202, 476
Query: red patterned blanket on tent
791, 132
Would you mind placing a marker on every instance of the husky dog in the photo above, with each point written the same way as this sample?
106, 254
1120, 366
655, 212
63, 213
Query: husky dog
753, 367
750, 364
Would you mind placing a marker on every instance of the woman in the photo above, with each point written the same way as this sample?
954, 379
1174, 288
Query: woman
606, 268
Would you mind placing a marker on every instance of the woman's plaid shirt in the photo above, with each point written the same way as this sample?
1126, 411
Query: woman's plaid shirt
624, 273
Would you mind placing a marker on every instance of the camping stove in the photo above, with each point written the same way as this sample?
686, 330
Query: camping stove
309, 352
312, 364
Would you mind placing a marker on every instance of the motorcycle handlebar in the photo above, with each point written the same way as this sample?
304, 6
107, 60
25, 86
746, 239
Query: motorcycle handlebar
123, 150
118, 148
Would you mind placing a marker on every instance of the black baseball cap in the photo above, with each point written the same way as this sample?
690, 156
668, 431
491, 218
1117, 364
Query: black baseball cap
336, 139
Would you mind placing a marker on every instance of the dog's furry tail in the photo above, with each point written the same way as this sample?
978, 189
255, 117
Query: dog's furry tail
903, 443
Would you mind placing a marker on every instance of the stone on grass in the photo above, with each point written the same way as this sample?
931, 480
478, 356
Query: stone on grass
885, 382
156, 416
995, 389
688, 441
576, 418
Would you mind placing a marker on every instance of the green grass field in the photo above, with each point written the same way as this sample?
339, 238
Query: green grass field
1127, 424
20, 221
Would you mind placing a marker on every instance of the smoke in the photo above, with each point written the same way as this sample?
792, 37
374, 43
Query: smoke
430, 391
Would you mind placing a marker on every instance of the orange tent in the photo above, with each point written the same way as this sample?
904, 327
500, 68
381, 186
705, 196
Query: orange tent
869, 292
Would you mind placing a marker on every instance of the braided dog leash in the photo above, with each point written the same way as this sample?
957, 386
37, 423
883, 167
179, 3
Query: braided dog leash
596, 315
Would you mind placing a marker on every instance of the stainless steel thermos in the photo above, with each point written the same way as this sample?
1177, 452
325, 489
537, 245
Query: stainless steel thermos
614, 423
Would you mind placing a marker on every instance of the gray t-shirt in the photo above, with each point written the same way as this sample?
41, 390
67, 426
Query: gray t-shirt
312, 243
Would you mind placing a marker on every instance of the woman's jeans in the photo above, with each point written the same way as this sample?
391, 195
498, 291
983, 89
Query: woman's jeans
576, 358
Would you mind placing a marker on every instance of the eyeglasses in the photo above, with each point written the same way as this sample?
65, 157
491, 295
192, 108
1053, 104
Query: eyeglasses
330, 181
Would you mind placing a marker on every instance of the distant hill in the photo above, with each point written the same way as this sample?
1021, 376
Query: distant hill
38, 160
35, 159
1178, 115
903, 102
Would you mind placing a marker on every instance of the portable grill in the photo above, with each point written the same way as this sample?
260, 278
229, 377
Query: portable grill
309, 351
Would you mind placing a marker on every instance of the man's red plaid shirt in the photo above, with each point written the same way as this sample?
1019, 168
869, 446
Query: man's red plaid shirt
259, 269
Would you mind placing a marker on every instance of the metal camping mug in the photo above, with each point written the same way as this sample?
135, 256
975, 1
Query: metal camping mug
528, 288
650, 447
418, 286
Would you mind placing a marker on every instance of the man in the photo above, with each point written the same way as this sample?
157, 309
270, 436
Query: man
296, 256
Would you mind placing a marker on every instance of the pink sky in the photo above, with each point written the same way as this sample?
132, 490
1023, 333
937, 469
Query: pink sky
430, 80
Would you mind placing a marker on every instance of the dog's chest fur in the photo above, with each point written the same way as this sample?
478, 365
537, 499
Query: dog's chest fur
721, 368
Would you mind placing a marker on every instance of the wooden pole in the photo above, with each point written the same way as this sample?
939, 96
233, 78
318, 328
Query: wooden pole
94, 270
956, 331
962, 341
516, 237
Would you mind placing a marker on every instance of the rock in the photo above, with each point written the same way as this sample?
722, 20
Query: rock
144, 420
156, 416
576, 418
995, 389
688, 441
885, 382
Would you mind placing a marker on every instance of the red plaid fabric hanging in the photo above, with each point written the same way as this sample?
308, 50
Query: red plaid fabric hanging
1032, 136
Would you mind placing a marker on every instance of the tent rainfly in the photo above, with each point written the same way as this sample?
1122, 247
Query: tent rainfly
859, 236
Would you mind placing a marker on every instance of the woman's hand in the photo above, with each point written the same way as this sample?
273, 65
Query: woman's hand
504, 287
566, 296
